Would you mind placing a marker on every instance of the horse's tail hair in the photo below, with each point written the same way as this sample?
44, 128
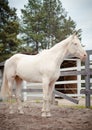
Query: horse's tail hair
4, 88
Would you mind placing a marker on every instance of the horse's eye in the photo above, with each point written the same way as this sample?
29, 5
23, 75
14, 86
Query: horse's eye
75, 43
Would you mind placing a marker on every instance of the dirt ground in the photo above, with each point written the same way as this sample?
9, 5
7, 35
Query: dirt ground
63, 118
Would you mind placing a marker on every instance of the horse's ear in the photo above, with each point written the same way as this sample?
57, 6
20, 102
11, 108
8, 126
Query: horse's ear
74, 34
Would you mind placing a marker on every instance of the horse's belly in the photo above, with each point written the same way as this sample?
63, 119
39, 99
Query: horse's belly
29, 74
34, 71
30, 77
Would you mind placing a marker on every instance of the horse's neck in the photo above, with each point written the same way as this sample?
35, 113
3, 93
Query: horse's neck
60, 52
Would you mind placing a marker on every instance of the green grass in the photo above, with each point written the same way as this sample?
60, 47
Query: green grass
80, 107
8, 101
37, 101
74, 106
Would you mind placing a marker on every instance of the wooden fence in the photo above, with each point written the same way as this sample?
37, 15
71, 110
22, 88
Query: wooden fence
87, 72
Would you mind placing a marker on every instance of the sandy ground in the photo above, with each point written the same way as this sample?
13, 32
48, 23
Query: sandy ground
64, 102
64, 117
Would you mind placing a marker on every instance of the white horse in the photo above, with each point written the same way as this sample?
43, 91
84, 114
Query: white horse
43, 67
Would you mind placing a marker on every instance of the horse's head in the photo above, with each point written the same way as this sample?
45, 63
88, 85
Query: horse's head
75, 48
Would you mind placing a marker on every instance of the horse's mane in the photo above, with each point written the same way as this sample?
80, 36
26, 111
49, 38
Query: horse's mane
43, 51
60, 43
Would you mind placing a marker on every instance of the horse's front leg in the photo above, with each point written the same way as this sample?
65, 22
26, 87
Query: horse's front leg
46, 100
51, 94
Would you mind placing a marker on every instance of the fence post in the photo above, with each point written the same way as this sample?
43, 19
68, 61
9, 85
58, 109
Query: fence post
78, 77
87, 81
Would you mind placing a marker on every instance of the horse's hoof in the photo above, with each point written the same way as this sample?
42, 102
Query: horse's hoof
48, 114
21, 112
11, 112
43, 114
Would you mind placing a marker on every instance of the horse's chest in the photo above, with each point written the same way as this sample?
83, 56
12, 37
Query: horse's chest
55, 75
51, 71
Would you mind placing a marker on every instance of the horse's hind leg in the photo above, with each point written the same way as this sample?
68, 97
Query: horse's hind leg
10, 85
18, 94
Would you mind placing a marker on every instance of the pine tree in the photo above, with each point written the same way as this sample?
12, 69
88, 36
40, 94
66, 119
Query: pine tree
45, 22
32, 24
9, 29
54, 15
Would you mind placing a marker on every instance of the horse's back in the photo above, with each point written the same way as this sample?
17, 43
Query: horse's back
14, 59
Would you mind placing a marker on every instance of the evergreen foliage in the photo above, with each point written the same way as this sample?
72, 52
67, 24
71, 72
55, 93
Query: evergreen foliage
44, 23
9, 29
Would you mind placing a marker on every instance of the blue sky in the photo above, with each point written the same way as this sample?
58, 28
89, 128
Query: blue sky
79, 10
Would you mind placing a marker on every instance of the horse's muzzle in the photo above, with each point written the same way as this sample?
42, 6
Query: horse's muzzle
83, 58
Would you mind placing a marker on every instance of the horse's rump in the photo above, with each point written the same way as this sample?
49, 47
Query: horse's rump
4, 88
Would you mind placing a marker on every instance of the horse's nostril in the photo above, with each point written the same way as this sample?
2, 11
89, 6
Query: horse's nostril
84, 54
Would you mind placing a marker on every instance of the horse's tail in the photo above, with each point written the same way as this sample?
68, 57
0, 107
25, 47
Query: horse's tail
4, 88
